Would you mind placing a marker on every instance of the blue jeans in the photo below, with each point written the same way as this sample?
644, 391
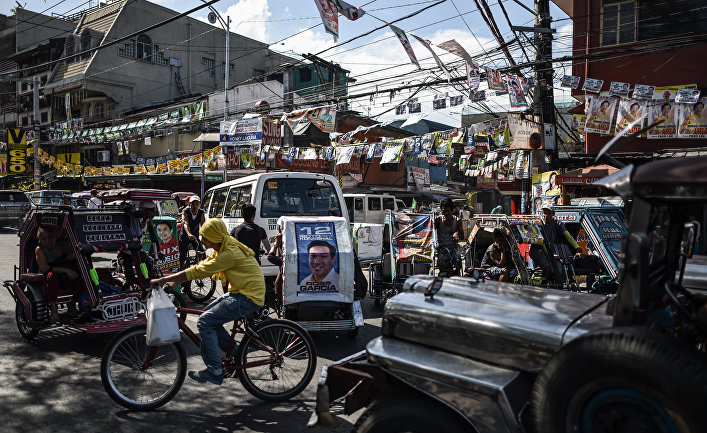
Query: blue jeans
227, 308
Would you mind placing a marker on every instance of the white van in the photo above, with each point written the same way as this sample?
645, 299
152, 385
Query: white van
370, 208
274, 195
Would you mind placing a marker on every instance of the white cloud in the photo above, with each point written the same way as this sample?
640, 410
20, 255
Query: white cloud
247, 18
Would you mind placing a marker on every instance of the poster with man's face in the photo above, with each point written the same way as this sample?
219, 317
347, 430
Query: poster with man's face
318, 266
630, 110
169, 246
692, 119
600, 115
663, 112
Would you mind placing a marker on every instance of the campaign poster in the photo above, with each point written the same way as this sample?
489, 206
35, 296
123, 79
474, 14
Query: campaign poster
402, 37
663, 112
643, 91
368, 241
592, 85
515, 92
630, 110
600, 115
472, 77
330, 17
412, 236
166, 230
494, 79
571, 81
618, 88
687, 96
578, 122
414, 106
692, 120
318, 258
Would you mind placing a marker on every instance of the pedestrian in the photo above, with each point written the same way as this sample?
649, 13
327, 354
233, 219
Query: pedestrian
94, 202
249, 233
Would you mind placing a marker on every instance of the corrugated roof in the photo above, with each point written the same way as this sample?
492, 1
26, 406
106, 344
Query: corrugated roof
71, 70
102, 18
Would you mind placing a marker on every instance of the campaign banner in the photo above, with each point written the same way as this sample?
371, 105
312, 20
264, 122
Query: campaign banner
692, 120
618, 88
643, 91
402, 37
629, 111
243, 132
330, 17
571, 81
166, 229
17, 151
272, 135
368, 241
578, 122
592, 85
393, 151
600, 115
521, 129
323, 118
472, 77
411, 237
420, 177
318, 263
494, 79
663, 112
515, 92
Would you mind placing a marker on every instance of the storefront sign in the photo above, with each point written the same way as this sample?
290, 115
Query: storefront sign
16, 151
317, 165
271, 132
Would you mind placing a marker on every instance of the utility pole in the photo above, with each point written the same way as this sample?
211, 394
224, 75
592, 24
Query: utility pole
35, 147
543, 100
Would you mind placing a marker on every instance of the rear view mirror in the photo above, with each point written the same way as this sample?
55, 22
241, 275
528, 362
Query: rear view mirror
687, 244
434, 287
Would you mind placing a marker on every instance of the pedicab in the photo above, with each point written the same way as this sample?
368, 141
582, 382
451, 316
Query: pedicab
318, 274
408, 249
84, 232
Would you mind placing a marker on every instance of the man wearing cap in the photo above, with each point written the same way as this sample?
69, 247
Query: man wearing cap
554, 231
94, 202
193, 217
234, 264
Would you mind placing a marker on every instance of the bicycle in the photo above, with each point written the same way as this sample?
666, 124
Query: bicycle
141, 377
199, 291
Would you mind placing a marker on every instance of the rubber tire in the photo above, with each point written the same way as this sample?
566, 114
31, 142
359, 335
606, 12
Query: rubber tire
642, 365
246, 342
26, 332
398, 412
105, 361
199, 299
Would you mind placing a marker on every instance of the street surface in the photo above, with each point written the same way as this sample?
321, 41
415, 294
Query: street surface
53, 383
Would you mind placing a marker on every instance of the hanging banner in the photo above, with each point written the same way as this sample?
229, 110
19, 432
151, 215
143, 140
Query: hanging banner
271, 132
420, 177
571, 81
345, 155
600, 114
392, 152
515, 92
246, 158
412, 238
692, 120
472, 77
323, 118
630, 110
351, 12
314, 165
453, 47
592, 85
494, 79
330, 17
406, 44
427, 44
368, 241
414, 106
619, 88
439, 102
663, 112
643, 91
16, 151
245, 132
521, 129
578, 122
687, 96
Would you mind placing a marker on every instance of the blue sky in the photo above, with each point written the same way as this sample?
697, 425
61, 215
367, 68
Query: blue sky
377, 59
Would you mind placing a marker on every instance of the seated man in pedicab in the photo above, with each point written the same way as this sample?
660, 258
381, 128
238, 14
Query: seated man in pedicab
555, 232
449, 233
57, 261
498, 259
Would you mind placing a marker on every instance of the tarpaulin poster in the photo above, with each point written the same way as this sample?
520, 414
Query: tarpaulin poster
692, 120
166, 229
368, 241
323, 118
330, 17
545, 190
571, 81
521, 128
630, 110
663, 112
472, 77
515, 92
318, 259
600, 115
494, 79
402, 37
578, 122
412, 237
427, 44
392, 152
455, 48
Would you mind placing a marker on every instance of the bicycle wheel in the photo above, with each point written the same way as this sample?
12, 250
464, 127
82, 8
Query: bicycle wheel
199, 291
291, 367
133, 386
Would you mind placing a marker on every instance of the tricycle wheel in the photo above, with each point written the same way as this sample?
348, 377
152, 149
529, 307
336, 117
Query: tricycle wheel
397, 412
622, 380
142, 377
26, 331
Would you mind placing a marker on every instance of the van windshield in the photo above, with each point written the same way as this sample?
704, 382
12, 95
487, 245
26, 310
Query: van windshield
313, 197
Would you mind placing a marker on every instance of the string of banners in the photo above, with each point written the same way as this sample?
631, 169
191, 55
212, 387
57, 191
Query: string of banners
677, 110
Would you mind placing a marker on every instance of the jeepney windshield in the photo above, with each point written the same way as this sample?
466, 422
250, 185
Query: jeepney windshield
292, 196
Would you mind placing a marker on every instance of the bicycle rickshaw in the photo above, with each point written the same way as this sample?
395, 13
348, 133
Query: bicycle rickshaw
408, 249
86, 232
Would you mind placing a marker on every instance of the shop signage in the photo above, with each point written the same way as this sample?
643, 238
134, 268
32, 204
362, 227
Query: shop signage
243, 132
16, 151
318, 165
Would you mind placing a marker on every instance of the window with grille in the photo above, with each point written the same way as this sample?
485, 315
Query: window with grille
144, 47
231, 68
160, 59
100, 110
128, 49
618, 22
305, 74
209, 63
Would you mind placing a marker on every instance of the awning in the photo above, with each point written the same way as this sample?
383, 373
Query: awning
587, 175
210, 136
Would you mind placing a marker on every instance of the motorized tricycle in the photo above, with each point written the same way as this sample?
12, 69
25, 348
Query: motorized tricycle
105, 306
318, 274
467, 355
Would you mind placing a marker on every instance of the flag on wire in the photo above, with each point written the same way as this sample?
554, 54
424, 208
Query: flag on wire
406, 44
427, 44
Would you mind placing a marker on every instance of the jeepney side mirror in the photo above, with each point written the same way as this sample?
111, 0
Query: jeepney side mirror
434, 287
687, 244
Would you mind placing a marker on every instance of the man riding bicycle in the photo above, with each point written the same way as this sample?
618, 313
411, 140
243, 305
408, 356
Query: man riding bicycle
234, 264
193, 217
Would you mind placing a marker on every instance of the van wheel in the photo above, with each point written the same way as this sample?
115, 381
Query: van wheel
397, 413
622, 380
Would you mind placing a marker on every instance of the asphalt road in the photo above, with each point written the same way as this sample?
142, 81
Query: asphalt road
53, 383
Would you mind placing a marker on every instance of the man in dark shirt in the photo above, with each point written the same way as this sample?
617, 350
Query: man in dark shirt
497, 258
249, 233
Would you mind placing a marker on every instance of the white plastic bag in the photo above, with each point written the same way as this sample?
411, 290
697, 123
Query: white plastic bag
162, 326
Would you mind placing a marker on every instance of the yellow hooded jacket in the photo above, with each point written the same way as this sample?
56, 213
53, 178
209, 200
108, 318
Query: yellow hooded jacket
234, 263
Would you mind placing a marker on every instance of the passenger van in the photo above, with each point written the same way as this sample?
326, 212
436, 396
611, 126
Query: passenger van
370, 208
45, 197
274, 195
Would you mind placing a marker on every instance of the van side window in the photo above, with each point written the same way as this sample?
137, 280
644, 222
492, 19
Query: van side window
374, 203
293, 196
389, 203
207, 201
217, 203
358, 203
236, 198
